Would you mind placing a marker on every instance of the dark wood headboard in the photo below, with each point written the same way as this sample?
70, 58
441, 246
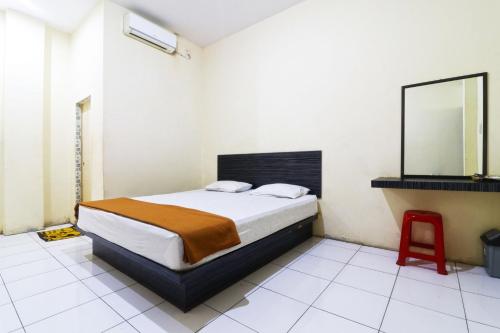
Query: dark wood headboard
298, 168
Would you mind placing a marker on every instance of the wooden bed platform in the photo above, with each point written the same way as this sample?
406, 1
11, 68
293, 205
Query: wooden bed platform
187, 289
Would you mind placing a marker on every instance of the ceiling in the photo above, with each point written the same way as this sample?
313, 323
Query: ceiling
64, 15
201, 21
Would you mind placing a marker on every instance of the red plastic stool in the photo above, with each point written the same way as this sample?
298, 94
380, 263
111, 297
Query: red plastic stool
435, 219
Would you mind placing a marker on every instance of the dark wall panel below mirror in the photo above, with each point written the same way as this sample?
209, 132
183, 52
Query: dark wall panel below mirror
464, 185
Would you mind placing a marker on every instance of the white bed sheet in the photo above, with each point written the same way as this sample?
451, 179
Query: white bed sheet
255, 217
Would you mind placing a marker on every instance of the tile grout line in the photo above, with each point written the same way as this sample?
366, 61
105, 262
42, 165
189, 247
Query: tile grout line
428, 309
13, 305
162, 302
261, 286
63, 285
47, 250
81, 281
423, 307
145, 310
316, 256
113, 269
427, 282
28, 262
61, 268
331, 282
397, 274
100, 297
123, 322
344, 265
240, 323
461, 297
489, 325
314, 276
36, 274
55, 314
376, 270
293, 299
241, 299
389, 300
221, 314
136, 315
431, 283
272, 291
340, 316
321, 293
21, 245
284, 268
45, 291
482, 295
288, 266
31, 241
154, 306
348, 264
365, 290
37, 242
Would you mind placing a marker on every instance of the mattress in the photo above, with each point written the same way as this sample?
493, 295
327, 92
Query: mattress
255, 217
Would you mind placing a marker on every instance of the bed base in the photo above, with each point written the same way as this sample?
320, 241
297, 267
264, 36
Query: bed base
187, 289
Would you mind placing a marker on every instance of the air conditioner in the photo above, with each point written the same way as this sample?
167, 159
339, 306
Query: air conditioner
147, 32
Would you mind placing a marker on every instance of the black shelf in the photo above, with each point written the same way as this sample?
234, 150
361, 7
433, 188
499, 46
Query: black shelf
464, 185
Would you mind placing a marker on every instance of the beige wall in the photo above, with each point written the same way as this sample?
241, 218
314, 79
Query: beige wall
326, 74
152, 130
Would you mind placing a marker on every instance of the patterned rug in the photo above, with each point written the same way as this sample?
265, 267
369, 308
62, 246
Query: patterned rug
58, 234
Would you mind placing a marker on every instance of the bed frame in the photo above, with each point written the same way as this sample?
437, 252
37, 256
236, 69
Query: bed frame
187, 289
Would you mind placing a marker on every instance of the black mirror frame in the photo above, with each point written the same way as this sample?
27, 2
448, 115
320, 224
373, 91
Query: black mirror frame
484, 75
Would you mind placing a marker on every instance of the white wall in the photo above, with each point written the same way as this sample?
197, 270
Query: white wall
87, 81
327, 74
23, 106
49, 72
2, 62
36, 125
59, 131
152, 129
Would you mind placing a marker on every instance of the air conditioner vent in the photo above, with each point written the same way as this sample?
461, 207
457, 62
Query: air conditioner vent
147, 32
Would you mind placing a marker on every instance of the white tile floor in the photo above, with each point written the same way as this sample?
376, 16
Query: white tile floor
320, 286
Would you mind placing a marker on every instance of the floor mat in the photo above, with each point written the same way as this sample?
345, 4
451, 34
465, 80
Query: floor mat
58, 234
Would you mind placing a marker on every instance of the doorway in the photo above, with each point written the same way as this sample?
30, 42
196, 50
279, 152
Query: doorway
83, 151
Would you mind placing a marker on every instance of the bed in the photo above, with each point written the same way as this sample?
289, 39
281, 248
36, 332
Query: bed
267, 226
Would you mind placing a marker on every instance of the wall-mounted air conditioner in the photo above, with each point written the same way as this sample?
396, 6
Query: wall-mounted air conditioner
145, 31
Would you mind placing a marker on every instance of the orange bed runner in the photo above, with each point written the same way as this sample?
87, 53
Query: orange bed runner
202, 233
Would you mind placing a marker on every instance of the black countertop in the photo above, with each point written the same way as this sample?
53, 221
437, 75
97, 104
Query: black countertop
466, 185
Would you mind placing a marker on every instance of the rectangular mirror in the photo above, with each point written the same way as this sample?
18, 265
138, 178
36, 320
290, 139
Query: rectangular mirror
444, 128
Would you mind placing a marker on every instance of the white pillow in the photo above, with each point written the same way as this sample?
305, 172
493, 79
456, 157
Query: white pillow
228, 186
281, 190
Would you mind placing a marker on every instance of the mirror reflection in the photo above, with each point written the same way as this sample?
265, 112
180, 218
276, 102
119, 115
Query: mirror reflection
444, 127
